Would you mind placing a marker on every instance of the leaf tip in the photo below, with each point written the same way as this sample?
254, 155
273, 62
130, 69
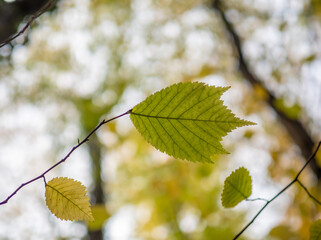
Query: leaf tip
250, 123
226, 88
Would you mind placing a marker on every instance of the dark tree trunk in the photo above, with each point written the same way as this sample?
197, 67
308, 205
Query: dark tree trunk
97, 193
12, 15
294, 127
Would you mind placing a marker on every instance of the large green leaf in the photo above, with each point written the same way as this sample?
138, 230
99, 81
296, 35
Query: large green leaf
186, 120
315, 230
237, 187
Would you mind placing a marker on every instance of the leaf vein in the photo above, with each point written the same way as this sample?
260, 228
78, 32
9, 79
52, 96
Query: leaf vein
186, 119
60, 193
187, 141
187, 95
236, 188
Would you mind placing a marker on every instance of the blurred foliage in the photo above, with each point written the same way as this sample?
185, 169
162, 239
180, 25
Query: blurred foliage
292, 111
315, 6
169, 191
100, 215
283, 232
94, 59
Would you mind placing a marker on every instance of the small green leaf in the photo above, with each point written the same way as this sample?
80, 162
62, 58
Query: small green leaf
67, 200
315, 230
237, 187
186, 120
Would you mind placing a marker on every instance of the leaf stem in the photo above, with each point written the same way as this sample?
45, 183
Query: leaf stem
44, 180
65, 158
256, 199
280, 192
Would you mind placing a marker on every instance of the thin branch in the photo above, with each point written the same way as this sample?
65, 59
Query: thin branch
307, 191
65, 158
279, 193
33, 17
256, 199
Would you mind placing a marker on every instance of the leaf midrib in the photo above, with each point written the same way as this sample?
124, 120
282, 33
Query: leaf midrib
68, 199
237, 189
184, 119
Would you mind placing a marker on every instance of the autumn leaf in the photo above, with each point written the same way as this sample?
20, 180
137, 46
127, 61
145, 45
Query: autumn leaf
67, 200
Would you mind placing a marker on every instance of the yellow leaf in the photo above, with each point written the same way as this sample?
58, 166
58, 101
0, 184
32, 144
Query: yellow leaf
67, 200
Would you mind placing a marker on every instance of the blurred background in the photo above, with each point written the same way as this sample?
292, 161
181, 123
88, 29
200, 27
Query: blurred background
83, 61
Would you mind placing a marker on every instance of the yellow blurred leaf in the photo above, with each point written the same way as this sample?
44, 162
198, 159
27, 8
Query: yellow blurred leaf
100, 215
260, 92
282, 232
315, 230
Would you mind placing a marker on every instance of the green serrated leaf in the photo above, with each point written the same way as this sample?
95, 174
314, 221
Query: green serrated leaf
237, 187
186, 120
67, 200
315, 230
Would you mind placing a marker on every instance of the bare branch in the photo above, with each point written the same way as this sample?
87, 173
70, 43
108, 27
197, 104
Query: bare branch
307, 191
65, 158
279, 193
33, 17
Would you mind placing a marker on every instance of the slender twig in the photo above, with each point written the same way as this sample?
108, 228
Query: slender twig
279, 193
33, 17
44, 180
65, 158
307, 191
256, 199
